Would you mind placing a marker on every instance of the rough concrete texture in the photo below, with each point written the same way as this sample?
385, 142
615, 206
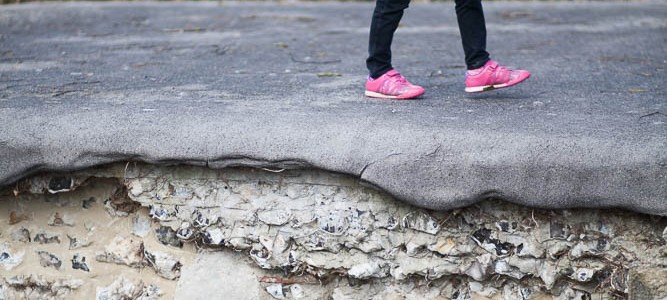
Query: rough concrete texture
308, 234
280, 85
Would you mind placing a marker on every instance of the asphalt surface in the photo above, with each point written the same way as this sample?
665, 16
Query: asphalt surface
281, 86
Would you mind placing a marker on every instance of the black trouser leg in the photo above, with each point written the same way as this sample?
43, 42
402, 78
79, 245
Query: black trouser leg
472, 26
386, 16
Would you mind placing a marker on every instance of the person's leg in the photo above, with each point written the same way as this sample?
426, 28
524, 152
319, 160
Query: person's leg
472, 26
386, 16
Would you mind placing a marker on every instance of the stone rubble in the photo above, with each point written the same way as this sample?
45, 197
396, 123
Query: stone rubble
126, 289
38, 287
358, 241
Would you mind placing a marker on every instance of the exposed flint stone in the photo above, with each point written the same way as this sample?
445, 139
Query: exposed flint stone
558, 230
21, 235
47, 259
164, 264
367, 270
297, 291
141, 225
487, 239
213, 237
414, 249
506, 226
122, 289
480, 268
589, 248
167, 236
75, 243
557, 249
41, 287
199, 220
123, 251
583, 274
159, 213
261, 256
335, 222
9, 258
449, 247
274, 217
481, 290
44, 238
59, 184
185, 232
619, 280
276, 291
502, 267
79, 262
421, 221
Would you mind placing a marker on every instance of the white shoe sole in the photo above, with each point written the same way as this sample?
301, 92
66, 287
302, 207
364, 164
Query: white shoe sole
484, 88
378, 95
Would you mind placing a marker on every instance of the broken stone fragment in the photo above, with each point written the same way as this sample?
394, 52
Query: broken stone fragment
45, 238
487, 239
274, 217
21, 235
159, 213
79, 262
199, 220
589, 248
164, 264
619, 280
421, 221
297, 291
39, 287
582, 274
276, 291
557, 249
185, 232
506, 226
59, 184
558, 230
57, 219
482, 290
502, 267
9, 258
449, 247
526, 247
213, 237
47, 259
480, 268
75, 243
141, 225
125, 289
123, 251
376, 269
261, 256
335, 222
167, 236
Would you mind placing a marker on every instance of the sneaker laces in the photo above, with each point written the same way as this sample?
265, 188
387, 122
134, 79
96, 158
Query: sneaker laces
400, 79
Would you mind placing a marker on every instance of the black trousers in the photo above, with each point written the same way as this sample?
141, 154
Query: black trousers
387, 15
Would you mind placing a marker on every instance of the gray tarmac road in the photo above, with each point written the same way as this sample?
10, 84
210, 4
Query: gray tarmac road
281, 86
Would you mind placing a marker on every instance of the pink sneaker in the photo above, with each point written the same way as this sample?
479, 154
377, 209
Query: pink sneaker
392, 85
493, 76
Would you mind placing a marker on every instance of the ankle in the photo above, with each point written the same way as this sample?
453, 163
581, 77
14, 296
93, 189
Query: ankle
474, 72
